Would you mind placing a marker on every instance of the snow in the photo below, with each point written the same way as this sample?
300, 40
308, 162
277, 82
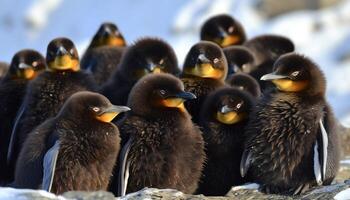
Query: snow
322, 35
11, 193
345, 162
343, 195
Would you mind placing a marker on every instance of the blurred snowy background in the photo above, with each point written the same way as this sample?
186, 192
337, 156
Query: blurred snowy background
319, 28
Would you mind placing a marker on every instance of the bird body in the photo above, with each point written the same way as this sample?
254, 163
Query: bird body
204, 71
162, 148
74, 150
47, 93
291, 140
224, 116
146, 56
25, 66
104, 53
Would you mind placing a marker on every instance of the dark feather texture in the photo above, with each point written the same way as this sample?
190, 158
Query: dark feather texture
203, 54
224, 142
245, 82
25, 65
45, 97
11, 96
218, 27
284, 128
201, 87
266, 50
102, 62
135, 63
87, 153
167, 149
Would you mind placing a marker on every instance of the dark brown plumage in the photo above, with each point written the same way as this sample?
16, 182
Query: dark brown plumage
224, 116
88, 146
104, 53
266, 50
204, 71
46, 94
239, 59
167, 149
148, 55
284, 138
25, 66
224, 30
245, 82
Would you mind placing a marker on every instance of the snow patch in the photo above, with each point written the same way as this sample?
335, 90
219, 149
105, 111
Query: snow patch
38, 13
343, 195
11, 193
346, 162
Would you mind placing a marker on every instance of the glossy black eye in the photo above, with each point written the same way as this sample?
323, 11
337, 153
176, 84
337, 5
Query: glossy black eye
71, 51
96, 109
162, 92
216, 60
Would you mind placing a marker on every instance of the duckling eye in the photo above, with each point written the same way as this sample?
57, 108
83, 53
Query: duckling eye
230, 29
162, 92
35, 63
296, 73
161, 61
239, 105
96, 109
216, 60
72, 51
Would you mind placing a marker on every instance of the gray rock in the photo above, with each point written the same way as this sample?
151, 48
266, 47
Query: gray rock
238, 193
79, 195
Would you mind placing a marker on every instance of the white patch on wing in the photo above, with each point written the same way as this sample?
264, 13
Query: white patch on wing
250, 186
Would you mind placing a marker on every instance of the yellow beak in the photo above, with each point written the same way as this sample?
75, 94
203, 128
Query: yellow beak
288, 85
229, 117
174, 103
65, 62
114, 41
206, 71
230, 40
285, 84
29, 73
157, 70
109, 114
107, 117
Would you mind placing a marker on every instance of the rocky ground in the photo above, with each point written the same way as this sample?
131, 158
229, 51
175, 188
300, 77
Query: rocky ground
344, 171
340, 191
